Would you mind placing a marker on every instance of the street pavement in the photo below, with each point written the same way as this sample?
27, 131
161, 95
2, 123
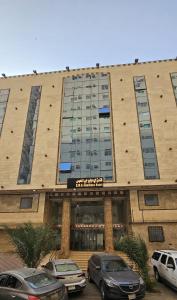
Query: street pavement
91, 293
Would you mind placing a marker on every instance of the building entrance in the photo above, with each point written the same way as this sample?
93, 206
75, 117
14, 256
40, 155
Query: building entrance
88, 239
87, 226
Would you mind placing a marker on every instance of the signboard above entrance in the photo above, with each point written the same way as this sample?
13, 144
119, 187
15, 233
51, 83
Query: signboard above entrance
84, 182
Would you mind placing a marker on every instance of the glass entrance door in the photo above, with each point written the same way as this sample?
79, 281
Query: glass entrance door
87, 225
88, 239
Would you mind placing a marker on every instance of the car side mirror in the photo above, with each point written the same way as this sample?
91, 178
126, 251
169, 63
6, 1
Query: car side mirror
98, 268
170, 266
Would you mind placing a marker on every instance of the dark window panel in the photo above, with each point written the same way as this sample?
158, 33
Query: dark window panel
29, 136
156, 234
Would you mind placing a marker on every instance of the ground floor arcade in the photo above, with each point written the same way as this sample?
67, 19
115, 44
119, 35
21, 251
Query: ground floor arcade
89, 221
94, 219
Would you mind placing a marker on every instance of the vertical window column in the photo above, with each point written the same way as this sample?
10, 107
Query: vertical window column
4, 95
24, 176
151, 170
174, 84
86, 133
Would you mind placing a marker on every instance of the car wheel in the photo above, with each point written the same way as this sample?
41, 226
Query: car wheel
156, 274
103, 292
89, 277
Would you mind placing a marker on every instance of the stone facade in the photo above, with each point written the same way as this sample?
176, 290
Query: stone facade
128, 165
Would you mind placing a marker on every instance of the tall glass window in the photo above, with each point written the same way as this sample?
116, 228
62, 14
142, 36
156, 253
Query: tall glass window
174, 83
151, 170
24, 176
86, 139
4, 95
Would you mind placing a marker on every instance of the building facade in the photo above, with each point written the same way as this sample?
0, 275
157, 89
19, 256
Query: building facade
92, 151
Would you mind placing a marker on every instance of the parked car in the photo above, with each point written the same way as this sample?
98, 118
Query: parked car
114, 278
30, 284
165, 266
68, 272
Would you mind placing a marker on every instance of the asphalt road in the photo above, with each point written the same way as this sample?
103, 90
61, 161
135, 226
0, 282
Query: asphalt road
91, 293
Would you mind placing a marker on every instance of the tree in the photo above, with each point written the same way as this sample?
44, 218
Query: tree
32, 242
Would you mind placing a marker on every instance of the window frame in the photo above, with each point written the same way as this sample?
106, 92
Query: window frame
23, 199
152, 239
151, 204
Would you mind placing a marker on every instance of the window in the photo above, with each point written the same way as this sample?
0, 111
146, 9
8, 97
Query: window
4, 95
107, 152
65, 167
26, 202
156, 234
151, 170
163, 259
151, 199
49, 266
174, 84
156, 255
171, 262
87, 118
104, 87
24, 176
13, 283
148, 150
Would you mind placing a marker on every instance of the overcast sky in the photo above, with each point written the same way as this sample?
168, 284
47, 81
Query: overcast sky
48, 35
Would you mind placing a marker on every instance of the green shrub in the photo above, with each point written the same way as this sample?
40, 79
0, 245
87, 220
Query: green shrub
136, 250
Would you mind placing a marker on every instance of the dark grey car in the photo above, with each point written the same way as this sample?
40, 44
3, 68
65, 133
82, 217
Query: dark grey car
30, 284
114, 278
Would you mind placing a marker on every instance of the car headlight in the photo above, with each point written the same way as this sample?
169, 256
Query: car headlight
111, 282
141, 281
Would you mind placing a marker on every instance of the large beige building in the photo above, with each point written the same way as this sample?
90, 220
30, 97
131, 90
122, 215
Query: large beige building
92, 150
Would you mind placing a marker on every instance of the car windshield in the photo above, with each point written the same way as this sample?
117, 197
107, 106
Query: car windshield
114, 266
40, 280
67, 267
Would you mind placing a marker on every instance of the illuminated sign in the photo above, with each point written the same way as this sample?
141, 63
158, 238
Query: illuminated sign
84, 182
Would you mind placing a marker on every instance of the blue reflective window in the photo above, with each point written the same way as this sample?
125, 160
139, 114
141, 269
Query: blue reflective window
65, 167
104, 110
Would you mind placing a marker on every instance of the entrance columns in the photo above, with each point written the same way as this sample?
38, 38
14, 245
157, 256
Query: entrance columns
108, 228
65, 230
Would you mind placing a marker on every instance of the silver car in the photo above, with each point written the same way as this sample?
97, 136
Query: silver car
30, 284
68, 272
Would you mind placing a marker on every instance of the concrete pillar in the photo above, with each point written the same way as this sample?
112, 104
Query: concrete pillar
65, 231
108, 229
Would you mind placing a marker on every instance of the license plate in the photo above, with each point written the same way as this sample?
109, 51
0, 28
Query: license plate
132, 296
71, 288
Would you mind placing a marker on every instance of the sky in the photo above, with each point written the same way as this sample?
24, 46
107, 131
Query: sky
48, 35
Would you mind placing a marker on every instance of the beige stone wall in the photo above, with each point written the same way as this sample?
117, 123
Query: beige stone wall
164, 215
165, 212
167, 200
128, 165
11, 203
170, 236
11, 214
